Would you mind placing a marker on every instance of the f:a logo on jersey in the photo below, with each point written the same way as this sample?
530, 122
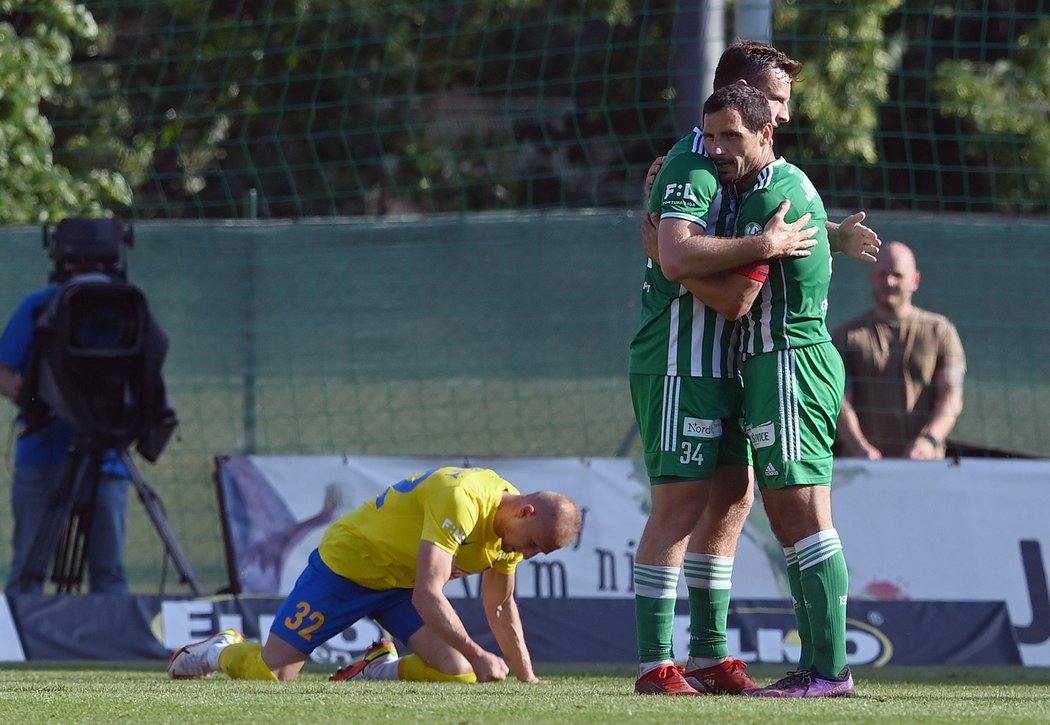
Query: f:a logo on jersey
454, 531
680, 192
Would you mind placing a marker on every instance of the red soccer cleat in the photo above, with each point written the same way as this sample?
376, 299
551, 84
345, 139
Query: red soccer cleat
664, 680
725, 678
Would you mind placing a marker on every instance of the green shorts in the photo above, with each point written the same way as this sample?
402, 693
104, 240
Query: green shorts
689, 426
792, 400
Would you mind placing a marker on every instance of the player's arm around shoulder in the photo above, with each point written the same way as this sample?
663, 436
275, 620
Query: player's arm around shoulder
731, 293
680, 200
501, 610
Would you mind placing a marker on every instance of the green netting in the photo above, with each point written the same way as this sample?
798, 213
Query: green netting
434, 332
197, 108
493, 334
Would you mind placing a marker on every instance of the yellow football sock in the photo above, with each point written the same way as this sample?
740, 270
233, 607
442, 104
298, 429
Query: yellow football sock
243, 661
414, 668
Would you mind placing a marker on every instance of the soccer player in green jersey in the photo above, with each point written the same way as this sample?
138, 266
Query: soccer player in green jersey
793, 382
688, 402
680, 340
390, 560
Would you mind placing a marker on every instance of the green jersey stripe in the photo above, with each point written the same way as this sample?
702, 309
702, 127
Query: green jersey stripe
790, 310
678, 334
759, 321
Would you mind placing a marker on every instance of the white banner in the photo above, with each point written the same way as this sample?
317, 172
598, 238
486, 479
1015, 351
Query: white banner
975, 530
10, 642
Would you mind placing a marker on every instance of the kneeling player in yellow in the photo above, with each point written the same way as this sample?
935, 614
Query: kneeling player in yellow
390, 560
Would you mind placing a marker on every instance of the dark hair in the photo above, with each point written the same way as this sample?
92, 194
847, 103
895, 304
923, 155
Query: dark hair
754, 62
748, 101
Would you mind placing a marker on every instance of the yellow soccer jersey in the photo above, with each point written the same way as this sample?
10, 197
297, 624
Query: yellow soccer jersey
377, 545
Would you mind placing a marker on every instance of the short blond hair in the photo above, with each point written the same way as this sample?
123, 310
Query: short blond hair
561, 513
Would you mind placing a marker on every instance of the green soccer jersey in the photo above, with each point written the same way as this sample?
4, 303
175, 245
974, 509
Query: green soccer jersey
679, 335
791, 307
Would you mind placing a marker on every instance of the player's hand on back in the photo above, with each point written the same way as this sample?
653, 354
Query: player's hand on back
650, 175
652, 221
650, 238
794, 239
856, 240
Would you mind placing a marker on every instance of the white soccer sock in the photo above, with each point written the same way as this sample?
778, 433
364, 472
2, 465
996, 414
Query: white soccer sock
212, 655
647, 667
700, 663
381, 671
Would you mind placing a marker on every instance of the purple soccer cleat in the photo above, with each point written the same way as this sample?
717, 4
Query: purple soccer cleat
805, 684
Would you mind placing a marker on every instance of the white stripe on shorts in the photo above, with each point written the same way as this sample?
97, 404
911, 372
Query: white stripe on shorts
790, 435
669, 427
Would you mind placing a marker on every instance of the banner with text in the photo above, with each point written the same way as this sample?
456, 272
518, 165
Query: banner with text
970, 531
42, 627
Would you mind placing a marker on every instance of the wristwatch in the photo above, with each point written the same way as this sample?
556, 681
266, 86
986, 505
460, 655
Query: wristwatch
937, 442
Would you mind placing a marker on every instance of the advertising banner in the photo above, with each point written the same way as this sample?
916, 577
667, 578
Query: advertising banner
973, 530
568, 630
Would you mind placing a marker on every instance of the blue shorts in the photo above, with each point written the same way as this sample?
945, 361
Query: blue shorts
323, 604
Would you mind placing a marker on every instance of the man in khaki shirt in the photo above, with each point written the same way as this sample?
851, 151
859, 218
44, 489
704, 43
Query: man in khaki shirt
904, 370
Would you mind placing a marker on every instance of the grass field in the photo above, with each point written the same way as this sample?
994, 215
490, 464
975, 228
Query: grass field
73, 693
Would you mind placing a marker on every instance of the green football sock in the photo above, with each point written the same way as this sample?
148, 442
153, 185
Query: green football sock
708, 578
825, 583
805, 659
655, 596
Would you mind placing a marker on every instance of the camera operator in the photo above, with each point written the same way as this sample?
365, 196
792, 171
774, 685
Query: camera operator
40, 454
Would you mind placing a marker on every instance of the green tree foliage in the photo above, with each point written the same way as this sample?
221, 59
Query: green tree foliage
334, 107
36, 50
922, 104
845, 74
1007, 101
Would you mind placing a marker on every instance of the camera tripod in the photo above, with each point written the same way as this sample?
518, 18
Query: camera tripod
65, 530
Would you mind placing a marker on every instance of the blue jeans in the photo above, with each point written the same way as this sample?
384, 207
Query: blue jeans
30, 492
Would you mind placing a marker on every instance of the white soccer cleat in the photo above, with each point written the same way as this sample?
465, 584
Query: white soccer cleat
200, 659
380, 652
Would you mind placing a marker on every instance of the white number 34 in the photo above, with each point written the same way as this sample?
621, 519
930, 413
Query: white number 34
690, 454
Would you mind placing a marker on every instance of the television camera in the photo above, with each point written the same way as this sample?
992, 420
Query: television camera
96, 364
